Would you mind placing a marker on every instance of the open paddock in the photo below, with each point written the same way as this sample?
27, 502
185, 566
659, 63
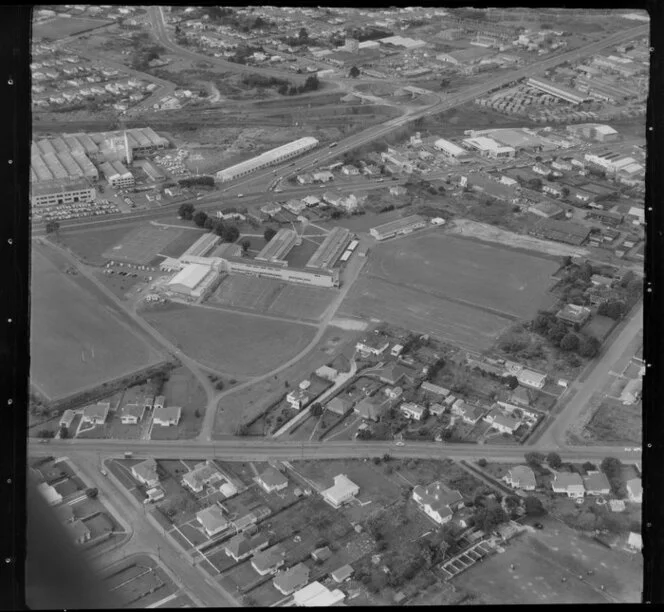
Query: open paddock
248, 292
615, 422
421, 312
301, 302
62, 27
75, 341
231, 342
143, 244
90, 244
177, 246
265, 595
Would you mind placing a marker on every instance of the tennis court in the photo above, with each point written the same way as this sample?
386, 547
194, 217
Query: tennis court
143, 245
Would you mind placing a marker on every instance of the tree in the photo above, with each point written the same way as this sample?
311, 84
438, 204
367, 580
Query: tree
269, 233
230, 233
92, 492
354, 72
511, 382
186, 211
45, 433
219, 227
197, 413
554, 460
52, 227
614, 309
611, 467
303, 34
588, 346
210, 223
200, 217
316, 409
482, 462
534, 458
569, 342
386, 457
246, 243
589, 467
533, 506
64, 432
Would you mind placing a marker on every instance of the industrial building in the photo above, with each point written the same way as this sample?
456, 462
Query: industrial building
470, 55
117, 174
274, 156
202, 246
556, 90
450, 150
399, 226
194, 280
516, 138
594, 131
279, 247
317, 278
487, 147
331, 248
54, 193
561, 231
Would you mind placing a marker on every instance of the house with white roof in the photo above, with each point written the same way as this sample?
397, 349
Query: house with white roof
132, 414
413, 411
52, 497
521, 477
317, 595
437, 501
568, 483
634, 490
146, 472
272, 480
343, 490
212, 520
529, 378
167, 416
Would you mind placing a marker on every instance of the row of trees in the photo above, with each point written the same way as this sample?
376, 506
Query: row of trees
546, 324
191, 181
227, 232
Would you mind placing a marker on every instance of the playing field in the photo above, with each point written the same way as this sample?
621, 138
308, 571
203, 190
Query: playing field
542, 560
75, 342
240, 344
143, 244
273, 297
464, 292
61, 27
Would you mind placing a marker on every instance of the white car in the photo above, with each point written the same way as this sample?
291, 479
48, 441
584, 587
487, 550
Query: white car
400, 443
239, 195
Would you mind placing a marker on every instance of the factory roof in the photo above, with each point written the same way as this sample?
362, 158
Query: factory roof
325, 254
59, 186
279, 246
190, 276
398, 224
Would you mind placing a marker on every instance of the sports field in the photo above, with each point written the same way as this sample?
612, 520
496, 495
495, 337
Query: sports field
61, 27
273, 297
238, 344
143, 244
75, 342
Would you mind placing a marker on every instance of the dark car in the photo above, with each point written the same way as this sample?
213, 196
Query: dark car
538, 526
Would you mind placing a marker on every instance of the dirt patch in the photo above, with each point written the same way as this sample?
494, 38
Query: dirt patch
352, 324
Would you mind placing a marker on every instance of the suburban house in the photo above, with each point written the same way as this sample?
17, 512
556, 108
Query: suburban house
297, 398
435, 389
96, 414
504, 423
396, 350
49, 493
413, 411
317, 595
146, 472
324, 176
394, 373
634, 490
576, 315
65, 514
67, 418
437, 501
521, 477
520, 397
596, 483
469, 414
79, 532
292, 579
167, 416
372, 345
339, 405
250, 519
327, 373
342, 491
132, 414
350, 170
268, 561
342, 574
212, 520
272, 480
241, 546
154, 495
393, 392
203, 474
528, 378
568, 483
436, 409
311, 200
369, 408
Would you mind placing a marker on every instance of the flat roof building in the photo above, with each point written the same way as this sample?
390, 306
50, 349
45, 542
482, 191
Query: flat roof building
489, 147
55, 193
400, 226
193, 280
449, 149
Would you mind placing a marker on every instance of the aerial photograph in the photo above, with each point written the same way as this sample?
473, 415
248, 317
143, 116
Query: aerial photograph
337, 306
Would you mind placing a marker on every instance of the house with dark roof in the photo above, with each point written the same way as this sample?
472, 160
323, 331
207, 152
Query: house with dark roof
342, 574
437, 501
241, 546
272, 480
568, 483
212, 520
292, 579
394, 373
269, 561
65, 513
596, 483
339, 405
369, 408
146, 472
571, 313
520, 397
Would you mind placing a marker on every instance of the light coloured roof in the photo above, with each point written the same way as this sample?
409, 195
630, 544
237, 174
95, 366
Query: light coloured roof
190, 276
399, 224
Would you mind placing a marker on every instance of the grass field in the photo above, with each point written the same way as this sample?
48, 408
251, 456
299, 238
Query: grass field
541, 561
75, 342
179, 245
232, 343
614, 422
61, 27
143, 244
89, 245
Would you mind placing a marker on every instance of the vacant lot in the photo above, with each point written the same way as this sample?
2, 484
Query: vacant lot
543, 559
614, 422
143, 244
243, 345
480, 275
61, 27
421, 312
75, 342
599, 327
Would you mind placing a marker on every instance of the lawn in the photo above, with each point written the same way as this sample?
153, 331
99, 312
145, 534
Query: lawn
183, 389
599, 327
233, 343
308, 303
177, 246
614, 422
89, 245
76, 342
62, 27
143, 244
300, 255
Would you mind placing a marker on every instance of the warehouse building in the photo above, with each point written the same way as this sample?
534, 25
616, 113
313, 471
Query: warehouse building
202, 246
556, 90
117, 174
487, 147
471, 55
332, 247
316, 278
279, 247
140, 141
54, 193
594, 131
450, 150
399, 226
561, 231
269, 158
194, 280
